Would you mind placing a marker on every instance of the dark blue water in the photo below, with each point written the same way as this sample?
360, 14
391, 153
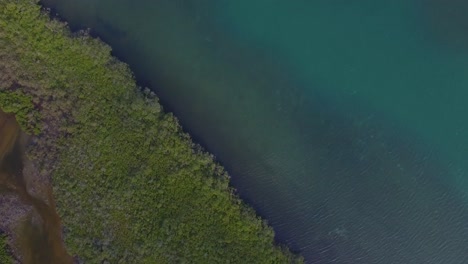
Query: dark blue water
343, 123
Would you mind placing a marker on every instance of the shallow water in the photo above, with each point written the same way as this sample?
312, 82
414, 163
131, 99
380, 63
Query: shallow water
39, 234
342, 122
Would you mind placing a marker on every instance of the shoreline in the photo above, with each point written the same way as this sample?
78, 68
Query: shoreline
87, 157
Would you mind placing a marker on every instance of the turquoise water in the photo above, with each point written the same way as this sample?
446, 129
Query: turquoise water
343, 123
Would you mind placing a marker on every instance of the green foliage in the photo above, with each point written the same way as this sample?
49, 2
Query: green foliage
5, 257
130, 186
21, 105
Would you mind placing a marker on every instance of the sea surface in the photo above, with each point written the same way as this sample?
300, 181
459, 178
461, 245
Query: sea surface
343, 123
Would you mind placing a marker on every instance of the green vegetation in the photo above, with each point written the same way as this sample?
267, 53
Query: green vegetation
130, 186
20, 104
5, 257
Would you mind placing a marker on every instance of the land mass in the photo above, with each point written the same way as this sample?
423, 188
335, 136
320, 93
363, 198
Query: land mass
128, 184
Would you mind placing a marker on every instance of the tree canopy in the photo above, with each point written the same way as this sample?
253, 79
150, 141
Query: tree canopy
130, 185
